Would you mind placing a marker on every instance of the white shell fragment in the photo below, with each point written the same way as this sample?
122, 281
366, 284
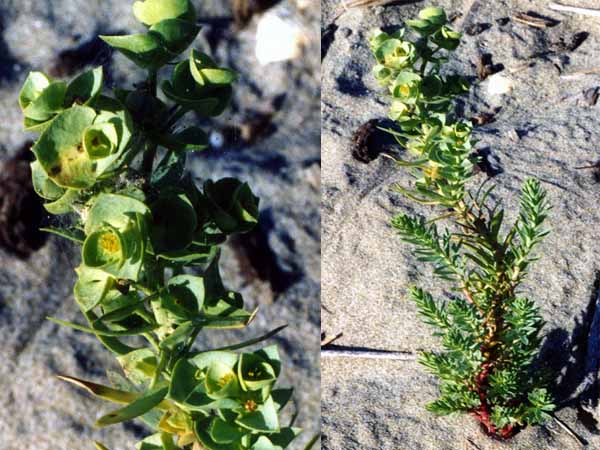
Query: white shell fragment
277, 39
498, 84
216, 139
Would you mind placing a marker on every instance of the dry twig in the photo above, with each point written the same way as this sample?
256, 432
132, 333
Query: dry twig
367, 354
580, 73
575, 9
329, 340
534, 21
364, 3
568, 430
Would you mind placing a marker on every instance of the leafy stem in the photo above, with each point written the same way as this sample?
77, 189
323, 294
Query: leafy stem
491, 337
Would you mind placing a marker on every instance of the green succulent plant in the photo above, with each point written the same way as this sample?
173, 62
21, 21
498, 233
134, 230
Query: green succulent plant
490, 333
143, 226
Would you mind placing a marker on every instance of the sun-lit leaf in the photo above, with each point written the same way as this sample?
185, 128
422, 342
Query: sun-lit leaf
151, 12
84, 89
136, 408
60, 151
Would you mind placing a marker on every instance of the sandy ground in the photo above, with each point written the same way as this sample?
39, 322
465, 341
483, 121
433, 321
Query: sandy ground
545, 127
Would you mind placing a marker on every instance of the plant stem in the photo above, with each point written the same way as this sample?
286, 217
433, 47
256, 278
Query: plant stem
179, 112
162, 361
150, 147
152, 341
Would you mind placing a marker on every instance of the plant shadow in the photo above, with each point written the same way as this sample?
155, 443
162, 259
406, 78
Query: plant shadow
565, 355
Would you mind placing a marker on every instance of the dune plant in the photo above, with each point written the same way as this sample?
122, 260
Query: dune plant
490, 332
149, 282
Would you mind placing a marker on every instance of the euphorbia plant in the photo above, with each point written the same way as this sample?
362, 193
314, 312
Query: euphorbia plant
150, 241
490, 332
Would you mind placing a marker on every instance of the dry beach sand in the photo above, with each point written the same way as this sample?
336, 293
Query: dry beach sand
546, 125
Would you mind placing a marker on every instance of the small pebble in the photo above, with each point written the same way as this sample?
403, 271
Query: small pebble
216, 139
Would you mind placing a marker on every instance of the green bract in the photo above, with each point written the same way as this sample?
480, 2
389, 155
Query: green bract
41, 99
151, 241
151, 12
172, 30
199, 85
490, 338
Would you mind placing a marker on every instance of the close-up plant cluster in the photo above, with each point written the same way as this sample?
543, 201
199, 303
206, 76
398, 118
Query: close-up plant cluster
488, 330
149, 282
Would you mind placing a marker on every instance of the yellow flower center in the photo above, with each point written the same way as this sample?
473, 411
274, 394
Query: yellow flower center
226, 379
254, 374
432, 172
405, 90
110, 243
250, 405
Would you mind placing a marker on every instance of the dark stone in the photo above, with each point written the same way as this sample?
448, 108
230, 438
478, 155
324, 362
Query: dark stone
21, 210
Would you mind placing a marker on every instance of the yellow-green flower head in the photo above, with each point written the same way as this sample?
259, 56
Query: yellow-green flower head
459, 133
406, 87
396, 54
399, 110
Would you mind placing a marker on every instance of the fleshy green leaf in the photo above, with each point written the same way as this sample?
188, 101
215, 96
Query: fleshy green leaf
60, 152
43, 185
183, 381
281, 397
145, 50
139, 366
72, 234
115, 210
254, 372
100, 140
175, 34
264, 443
205, 439
264, 418
33, 87
173, 223
103, 392
84, 89
91, 287
105, 332
234, 207
135, 409
48, 103
206, 73
190, 139
64, 204
188, 290
225, 433
151, 12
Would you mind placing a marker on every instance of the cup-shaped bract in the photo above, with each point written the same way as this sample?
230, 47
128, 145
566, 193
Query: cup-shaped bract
104, 247
255, 372
234, 207
85, 88
41, 99
43, 185
151, 12
60, 152
174, 222
172, 29
116, 232
100, 140
200, 85
430, 20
